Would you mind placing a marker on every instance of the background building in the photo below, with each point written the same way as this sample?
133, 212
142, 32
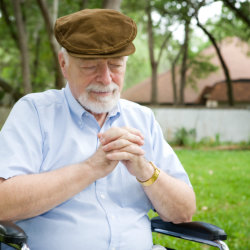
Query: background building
209, 91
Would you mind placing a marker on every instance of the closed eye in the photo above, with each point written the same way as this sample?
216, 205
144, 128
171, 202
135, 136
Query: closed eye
88, 67
115, 65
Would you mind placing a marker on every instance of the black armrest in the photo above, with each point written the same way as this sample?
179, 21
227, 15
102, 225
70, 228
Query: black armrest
12, 234
189, 230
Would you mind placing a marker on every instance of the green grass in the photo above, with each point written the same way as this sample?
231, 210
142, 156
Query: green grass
221, 180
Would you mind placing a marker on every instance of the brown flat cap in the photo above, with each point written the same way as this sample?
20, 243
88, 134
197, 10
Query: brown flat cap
96, 33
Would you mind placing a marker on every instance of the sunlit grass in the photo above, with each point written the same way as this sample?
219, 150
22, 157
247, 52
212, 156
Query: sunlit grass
221, 182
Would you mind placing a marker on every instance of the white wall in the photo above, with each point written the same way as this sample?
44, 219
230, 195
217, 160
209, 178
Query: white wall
231, 124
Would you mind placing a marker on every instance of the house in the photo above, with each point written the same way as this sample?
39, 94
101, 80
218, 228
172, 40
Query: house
217, 94
211, 89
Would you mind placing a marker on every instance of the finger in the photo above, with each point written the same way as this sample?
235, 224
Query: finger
110, 135
119, 156
134, 131
134, 149
128, 153
135, 139
116, 145
115, 133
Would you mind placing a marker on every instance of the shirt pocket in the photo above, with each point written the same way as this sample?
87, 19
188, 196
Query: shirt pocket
133, 195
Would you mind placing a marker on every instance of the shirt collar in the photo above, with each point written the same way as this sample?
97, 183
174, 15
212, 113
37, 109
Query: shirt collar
79, 111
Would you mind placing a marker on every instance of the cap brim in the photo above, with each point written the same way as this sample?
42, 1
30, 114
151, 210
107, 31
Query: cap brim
126, 51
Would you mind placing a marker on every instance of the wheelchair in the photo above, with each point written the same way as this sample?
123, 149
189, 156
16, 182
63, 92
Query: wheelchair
200, 232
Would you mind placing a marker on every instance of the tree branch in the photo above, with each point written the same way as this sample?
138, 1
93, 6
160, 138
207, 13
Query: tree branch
8, 22
238, 12
222, 61
163, 46
9, 89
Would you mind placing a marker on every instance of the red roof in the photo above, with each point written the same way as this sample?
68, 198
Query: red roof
241, 90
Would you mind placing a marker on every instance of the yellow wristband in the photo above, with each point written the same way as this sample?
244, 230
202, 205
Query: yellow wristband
153, 178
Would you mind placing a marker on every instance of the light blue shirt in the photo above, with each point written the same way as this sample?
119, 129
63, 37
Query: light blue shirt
49, 130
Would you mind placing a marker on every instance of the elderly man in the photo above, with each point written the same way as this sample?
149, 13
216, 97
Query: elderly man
80, 167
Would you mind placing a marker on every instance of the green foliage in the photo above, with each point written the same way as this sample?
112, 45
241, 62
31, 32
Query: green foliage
184, 137
200, 68
138, 64
229, 25
187, 138
211, 142
221, 183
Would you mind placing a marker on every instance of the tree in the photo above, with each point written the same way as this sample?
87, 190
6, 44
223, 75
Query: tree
54, 45
183, 13
242, 11
8, 32
174, 62
185, 48
22, 41
154, 61
223, 64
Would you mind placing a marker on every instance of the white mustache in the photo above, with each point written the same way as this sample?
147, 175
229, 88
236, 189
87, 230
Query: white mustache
100, 88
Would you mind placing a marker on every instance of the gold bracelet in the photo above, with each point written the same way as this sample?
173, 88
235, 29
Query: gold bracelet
153, 178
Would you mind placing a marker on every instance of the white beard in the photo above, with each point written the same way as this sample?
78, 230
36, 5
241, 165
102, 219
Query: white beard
101, 104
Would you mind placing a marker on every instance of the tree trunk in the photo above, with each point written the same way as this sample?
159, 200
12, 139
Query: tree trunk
84, 4
175, 101
112, 4
23, 45
223, 64
174, 84
154, 80
55, 11
37, 40
53, 43
154, 64
184, 62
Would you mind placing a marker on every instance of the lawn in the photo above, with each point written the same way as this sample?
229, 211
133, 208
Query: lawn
221, 182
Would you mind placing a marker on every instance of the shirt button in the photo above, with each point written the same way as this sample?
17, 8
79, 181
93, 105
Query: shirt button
112, 217
103, 196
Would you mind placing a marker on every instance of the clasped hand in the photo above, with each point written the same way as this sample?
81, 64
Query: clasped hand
121, 144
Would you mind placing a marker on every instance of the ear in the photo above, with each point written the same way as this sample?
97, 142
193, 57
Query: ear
62, 63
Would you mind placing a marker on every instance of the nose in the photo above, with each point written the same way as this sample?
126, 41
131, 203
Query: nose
104, 74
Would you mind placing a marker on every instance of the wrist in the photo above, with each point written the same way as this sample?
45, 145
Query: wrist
92, 171
146, 170
153, 177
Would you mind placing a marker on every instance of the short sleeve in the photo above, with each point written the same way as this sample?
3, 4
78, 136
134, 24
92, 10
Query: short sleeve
21, 141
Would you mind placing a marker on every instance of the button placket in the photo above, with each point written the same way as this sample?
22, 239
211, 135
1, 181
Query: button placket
104, 201
103, 196
80, 124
